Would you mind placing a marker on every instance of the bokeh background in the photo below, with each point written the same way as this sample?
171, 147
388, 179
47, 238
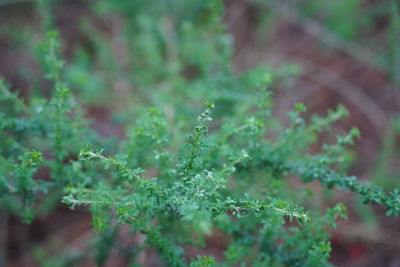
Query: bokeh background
325, 53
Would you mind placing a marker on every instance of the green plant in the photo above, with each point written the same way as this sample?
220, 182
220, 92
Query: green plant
177, 179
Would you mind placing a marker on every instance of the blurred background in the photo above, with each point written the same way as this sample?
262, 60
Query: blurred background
126, 54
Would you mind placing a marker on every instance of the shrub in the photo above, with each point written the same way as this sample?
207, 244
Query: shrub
178, 177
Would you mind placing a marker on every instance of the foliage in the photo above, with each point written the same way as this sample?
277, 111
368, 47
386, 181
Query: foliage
177, 179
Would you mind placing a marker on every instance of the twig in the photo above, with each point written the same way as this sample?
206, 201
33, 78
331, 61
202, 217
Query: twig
349, 91
313, 28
